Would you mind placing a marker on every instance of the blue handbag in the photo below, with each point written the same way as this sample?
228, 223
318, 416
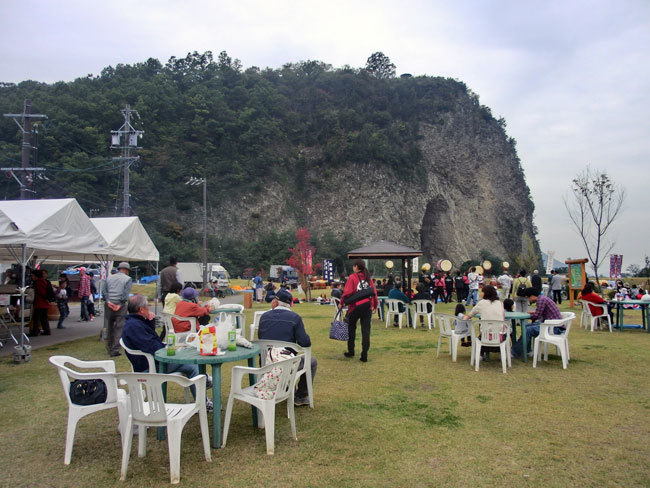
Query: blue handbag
339, 329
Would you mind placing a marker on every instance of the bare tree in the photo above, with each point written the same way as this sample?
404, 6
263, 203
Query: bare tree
593, 205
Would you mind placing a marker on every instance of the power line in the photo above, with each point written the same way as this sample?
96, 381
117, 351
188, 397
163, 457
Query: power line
126, 138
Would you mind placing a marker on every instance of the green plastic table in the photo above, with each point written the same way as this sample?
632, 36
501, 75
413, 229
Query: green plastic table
190, 355
645, 313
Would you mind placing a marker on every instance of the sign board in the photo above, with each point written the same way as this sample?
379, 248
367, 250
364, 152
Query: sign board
575, 276
416, 265
550, 256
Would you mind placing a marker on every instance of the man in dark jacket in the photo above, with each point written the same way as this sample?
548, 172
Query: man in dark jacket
281, 324
168, 277
536, 281
139, 332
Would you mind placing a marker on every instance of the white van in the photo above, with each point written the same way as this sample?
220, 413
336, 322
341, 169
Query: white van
219, 273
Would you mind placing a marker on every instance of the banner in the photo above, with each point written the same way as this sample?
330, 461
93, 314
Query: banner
615, 265
416, 267
550, 257
328, 270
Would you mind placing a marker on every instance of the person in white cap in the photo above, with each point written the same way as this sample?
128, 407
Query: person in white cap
116, 294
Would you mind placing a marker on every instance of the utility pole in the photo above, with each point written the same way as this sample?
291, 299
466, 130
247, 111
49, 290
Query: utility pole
26, 127
193, 181
125, 139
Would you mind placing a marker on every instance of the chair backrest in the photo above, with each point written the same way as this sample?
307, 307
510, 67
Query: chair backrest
266, 344
146, 396
169, 326
421, 306
67, 374
493, 332
137, 352
568, 317
445, 322
288, 368
393, 305
585, 307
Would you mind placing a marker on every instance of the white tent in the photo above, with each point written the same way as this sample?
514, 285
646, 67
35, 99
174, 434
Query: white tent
46, 229
127, 239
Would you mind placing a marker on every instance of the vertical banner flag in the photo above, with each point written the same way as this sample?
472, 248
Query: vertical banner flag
550, 257
328, 270
615, 265
416, 266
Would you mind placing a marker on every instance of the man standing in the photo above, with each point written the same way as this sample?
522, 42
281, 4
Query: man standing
168, 277
536, 281
449, 287
474, 279
546, 310
84, 294
116, 293
281, 324
259, 286
505, 280
139, 333
556, 286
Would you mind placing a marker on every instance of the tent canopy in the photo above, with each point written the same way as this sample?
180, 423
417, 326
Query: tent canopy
55, 229
384, 250
127, 239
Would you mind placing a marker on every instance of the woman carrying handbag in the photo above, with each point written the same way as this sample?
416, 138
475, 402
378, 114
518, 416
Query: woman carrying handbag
360, 296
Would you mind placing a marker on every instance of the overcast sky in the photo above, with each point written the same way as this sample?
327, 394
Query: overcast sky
571, 78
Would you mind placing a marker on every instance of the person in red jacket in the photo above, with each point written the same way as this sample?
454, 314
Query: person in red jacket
188, 307
590, 297
40, 304
360, 297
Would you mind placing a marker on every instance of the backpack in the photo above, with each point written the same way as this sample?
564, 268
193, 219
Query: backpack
364, 291
521, 289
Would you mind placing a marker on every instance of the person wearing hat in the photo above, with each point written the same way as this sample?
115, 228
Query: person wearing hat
115, 292
189, 307
282, 324
84, 294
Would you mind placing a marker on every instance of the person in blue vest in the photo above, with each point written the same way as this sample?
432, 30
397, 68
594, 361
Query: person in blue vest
259, 286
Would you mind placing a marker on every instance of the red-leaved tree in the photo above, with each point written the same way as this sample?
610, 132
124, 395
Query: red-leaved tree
302, 260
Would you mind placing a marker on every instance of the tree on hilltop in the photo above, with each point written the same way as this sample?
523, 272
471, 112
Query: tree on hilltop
379, 66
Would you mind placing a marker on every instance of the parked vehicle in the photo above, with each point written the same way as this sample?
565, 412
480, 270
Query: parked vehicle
192, 274
282, 273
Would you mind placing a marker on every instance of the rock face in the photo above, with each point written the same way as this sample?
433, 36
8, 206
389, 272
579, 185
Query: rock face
469, 196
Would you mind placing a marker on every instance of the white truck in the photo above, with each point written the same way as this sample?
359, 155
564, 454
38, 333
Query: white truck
193, 273
283, 273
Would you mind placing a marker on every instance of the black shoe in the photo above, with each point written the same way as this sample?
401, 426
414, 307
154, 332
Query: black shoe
348, 354
363, 359
115, 354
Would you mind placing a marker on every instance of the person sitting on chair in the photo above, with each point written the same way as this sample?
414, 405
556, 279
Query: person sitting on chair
396, 294
189, 307
546, 310
139, 332
282, 324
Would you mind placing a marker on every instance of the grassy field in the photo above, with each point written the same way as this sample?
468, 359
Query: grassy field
404, 418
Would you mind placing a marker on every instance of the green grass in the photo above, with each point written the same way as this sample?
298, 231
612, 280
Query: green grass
404, 418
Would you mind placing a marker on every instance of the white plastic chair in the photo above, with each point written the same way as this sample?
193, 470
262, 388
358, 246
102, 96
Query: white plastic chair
240, 318
588, 317
256, 322
148, 409
335, 302
284, 392
446, 326
180, 336
421, 308
306, 367
493, 333
152, 364
392, 308
560, 341
115, 398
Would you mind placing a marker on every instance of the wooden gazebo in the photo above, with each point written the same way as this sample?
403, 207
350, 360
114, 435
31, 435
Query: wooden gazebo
389, 250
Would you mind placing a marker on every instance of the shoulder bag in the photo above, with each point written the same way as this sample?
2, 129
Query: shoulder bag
339, 329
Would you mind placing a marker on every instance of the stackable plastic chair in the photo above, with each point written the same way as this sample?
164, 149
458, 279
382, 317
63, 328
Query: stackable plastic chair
284, 392
446, 327
148, 409
593, 320
421, 308
494, 333
560, 341
115, 398
392, 308
265, 345
240, 318
180, 336
152, 364
335, 302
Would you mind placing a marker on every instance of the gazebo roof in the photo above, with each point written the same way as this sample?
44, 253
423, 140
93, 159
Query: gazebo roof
384, 249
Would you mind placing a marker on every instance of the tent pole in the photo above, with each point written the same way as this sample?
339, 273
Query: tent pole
22, 298
155, 296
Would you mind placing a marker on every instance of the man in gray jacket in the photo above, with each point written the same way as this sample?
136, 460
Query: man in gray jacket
116, 294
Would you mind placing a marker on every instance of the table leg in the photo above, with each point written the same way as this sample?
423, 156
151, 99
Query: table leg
216, 405
524, 339
619, 316
513, 334
161, 431
251, 380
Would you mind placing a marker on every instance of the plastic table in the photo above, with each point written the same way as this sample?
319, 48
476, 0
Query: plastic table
190, 355
645, 313
514, 316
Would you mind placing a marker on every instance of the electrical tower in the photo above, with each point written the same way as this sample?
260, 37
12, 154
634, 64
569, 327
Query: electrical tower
125, 139
26, 128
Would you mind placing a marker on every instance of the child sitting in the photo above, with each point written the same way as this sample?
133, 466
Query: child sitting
462, 326
508, 305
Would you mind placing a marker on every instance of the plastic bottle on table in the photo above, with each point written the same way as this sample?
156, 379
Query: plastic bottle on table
232, 339
171, 344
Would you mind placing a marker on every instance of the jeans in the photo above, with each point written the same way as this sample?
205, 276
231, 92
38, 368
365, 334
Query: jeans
363, 313
64, 311
532, 331
188, 370
557, 296
521, 304
302, 391
472, 297
84, 309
